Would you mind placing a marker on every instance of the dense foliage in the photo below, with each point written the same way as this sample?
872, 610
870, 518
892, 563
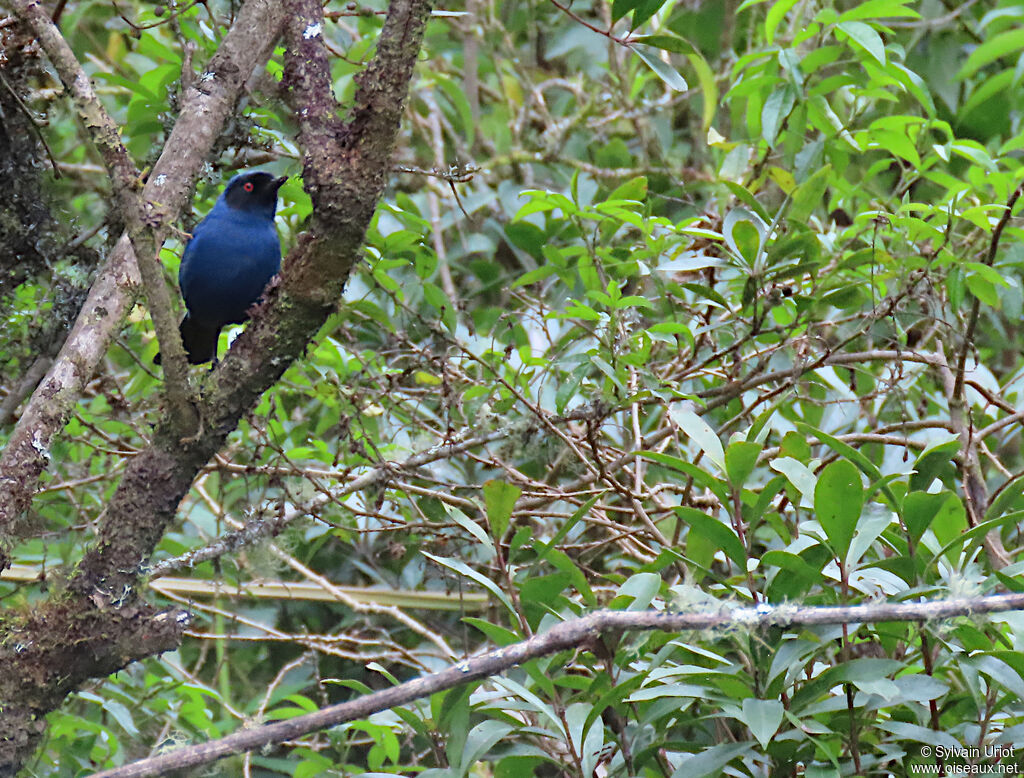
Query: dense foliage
719, 307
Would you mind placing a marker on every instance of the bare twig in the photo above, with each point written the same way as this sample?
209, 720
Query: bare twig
972, 319
258, 529
33, 123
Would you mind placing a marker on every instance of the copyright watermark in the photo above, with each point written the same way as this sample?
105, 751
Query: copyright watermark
968, 760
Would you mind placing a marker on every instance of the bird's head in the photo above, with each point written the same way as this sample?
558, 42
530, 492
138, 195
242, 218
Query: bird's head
255, 192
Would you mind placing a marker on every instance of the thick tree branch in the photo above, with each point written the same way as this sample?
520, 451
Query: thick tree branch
49, 650
27, 452
355, 160
205, 107
125, 181
352, 162
581, 633
112, 628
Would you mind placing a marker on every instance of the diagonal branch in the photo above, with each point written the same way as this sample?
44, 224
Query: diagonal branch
125, 181
573, 634
975, 488
346, 166
74, 639
124, 176
205, 107
972, 319
256, 530
103, 591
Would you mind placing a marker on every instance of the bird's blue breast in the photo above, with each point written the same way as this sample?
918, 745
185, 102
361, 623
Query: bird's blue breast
227, 263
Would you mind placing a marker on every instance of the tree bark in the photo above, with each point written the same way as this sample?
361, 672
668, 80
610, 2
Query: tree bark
99, 622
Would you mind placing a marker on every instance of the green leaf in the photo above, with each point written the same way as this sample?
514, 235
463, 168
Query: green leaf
988, 89
462, 569
775, 111
914, 84
672, 77
571, 522
990, 274
149, 45
710, 761
868, 530
635, 189
622, 7
133, 85
671, 43
593, 745
122, 715
533, 276
999, 670
535, 702
763, 717
823, 116
644, 10
453, 715
472, 528
867, 37
708, 88
846, 451
1009, 43
561, 562
808, 196
615, 694
637, 592
921, 508
689, 261
1009, 496
879, 9
798, 474
702, 477
983, 289
456, 95
838, 500
745, 234
700, 433
896, 143
500, 498
745, 196
713, 534
774, 17
156, 80
568, 389
480, 740
740, 460
950, 527
494, 632
975, 152
793, 564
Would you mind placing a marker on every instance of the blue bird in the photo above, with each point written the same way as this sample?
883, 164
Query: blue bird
232, 255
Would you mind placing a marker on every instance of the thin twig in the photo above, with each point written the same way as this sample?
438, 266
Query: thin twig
972, 320
32, 121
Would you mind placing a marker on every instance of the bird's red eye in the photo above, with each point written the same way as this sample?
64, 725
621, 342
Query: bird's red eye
247, 186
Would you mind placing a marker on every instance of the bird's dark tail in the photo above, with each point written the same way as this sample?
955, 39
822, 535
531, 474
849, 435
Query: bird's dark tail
199, 340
